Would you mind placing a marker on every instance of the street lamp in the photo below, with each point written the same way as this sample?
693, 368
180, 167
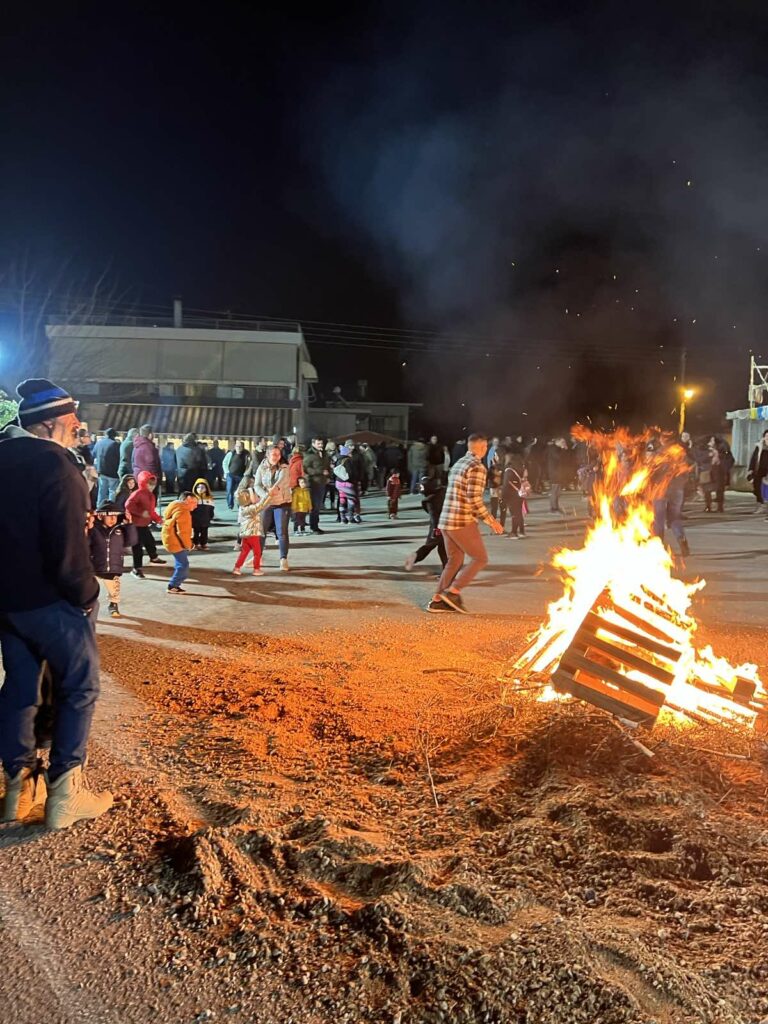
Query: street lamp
687, 395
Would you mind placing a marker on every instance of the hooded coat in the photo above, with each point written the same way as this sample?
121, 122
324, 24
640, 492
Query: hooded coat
108, 546
177, 527
126, 452
146, 457
141, 503
203, 514
295, 468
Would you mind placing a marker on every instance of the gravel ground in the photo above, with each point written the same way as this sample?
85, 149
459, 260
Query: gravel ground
349, 825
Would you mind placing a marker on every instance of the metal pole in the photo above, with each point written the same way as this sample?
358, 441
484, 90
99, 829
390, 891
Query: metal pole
683, 360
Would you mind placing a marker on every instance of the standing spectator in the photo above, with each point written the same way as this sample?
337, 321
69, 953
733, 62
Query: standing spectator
716, 476
202, 514
48, 602
515, 490
301, 505
296, 466
359, 470
534, 464
317, 471
369, 456
494, 479
141, 507
347, 487
145, 456
392, 459
558, 471
459, 524
126, 452
83, 446
758, 470
168, 465
330, 492
271, 481
107, 539
459, 450
177, 538
417, 464
216, 462
191, 463
235, 465
493, 447
125, 487
106, 459
435, 458
433, 489
394, 489
668, 509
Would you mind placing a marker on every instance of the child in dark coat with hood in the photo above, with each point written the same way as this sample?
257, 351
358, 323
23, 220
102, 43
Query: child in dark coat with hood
107, 540
202, 515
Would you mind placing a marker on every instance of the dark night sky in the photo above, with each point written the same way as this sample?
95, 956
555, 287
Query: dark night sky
577, 195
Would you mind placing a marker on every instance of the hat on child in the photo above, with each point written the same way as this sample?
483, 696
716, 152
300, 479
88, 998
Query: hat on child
108, 506
41, 400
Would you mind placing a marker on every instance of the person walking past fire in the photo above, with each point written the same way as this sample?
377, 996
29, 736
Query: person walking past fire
462, 513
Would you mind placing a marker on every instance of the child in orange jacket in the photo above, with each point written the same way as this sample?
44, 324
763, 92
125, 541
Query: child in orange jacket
177, 538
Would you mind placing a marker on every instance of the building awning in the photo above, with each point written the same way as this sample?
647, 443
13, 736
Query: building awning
203, 420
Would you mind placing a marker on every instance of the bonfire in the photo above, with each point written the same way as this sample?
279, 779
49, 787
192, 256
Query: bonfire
622, 636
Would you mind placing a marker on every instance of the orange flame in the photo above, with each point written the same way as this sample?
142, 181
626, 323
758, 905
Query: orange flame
622, 564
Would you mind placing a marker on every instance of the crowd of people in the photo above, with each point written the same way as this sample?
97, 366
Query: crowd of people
86, 504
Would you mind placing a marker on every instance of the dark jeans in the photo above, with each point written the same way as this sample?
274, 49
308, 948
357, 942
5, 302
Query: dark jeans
200, 535
515, 506
668, 512
107, 488
146, 540
278, 516
317, 491
62, 636
170, 483
233, 482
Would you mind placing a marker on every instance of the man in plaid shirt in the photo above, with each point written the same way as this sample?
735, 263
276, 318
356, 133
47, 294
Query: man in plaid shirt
459, 524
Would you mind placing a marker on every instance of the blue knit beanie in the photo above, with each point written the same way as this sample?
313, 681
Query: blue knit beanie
41, 400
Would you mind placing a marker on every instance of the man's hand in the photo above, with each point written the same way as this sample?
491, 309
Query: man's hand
496, 526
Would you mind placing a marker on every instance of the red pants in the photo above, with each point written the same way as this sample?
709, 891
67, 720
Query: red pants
249, 545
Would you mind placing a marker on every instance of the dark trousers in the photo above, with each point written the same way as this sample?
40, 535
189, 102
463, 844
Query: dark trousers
233, 482
200, 535
279, 517
170, 483
317, 492
146, 540
62, 636
515, 506
433, 541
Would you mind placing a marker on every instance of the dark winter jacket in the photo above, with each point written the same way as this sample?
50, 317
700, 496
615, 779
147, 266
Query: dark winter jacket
126, 452
43, 546
203, 514
432, 503
191, 463
107, 548
216, 459
146, 457
758, 463
559, 465
106, 456
435, 455
317, 466
168, 458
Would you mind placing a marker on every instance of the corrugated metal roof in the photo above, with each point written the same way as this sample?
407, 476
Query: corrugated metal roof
204, 420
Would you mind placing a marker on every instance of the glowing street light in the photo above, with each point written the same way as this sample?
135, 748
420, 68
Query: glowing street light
687, 395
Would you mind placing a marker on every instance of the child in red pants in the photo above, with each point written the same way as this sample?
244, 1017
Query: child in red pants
249, 520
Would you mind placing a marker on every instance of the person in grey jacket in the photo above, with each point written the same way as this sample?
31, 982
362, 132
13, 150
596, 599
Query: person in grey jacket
272, 480
126, 453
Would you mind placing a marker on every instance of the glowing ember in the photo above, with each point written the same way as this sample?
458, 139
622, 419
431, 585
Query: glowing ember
622, 636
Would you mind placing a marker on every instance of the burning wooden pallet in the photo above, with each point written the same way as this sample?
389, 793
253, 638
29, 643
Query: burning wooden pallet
635, 658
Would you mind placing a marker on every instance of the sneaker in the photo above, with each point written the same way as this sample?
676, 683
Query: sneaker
138, 573
258, 572
176, 590
357, 519
237, 572
318, 530
236, 546
409, 563
284, 564
157, 561
454, 600
343, 520
438, 605
114, 611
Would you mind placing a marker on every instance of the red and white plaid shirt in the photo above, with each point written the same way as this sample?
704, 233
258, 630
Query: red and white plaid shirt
464, 503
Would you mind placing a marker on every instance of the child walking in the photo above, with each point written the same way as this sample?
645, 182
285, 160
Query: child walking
141, 507
107, 539
202, 515
394, 489
301, 505
177, 538
251, 529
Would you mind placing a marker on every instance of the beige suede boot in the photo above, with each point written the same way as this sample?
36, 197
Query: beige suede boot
24, 796
69, 800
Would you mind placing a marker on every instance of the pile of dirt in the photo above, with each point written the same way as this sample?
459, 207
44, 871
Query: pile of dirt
351, 827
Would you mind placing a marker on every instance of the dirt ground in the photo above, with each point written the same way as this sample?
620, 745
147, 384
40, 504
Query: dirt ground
357, 825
